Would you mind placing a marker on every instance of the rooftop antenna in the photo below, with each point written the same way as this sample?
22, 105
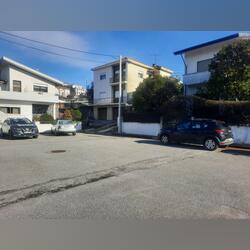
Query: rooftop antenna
155, 57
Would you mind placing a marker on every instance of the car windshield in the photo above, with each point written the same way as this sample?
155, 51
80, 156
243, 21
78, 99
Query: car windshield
66, 122
20, 121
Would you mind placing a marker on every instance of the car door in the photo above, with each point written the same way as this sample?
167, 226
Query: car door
182, 133
196, 135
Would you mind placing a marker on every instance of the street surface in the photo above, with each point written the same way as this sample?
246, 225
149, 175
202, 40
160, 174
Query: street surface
94, 176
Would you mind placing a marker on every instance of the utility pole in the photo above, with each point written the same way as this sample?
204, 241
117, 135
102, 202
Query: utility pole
120, 98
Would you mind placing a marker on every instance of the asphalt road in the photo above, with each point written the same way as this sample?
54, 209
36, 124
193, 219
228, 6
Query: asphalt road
119, 177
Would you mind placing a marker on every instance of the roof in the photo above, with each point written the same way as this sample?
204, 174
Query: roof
127, 59
226, 38
32, 71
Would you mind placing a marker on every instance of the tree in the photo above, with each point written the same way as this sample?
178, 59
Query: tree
230, 73
76, 114
67, 115
154, 92
90, 92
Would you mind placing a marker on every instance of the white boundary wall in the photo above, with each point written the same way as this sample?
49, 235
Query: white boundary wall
241, 134
136, 128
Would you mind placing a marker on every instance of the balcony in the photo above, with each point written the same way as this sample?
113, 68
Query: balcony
29, 96
115, 80
196, 78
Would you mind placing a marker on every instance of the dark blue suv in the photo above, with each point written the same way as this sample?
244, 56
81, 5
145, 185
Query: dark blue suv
209, 133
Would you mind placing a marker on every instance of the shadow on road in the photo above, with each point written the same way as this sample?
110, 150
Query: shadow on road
185, 146
236, 151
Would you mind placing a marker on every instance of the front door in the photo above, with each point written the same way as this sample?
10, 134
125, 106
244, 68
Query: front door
102, 113
183, 132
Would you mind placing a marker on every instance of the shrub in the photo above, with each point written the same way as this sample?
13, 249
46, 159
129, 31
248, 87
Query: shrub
36, 118
46, 118
76, 114
232, 112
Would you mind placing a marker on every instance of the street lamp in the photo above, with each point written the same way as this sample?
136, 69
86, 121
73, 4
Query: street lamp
120, 98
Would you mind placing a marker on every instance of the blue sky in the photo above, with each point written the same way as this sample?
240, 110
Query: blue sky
142, 46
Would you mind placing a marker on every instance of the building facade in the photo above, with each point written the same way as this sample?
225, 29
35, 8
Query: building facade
27, 92
197, 59
106, 85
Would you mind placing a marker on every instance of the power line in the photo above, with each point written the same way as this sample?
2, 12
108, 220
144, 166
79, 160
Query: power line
58, 46
49, 52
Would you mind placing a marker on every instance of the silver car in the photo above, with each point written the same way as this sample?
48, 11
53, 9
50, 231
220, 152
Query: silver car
63, 127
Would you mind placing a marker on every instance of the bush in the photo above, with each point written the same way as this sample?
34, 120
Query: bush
76, 114
232, 112
46, 118
141, 117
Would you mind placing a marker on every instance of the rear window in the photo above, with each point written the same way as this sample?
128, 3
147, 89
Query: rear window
222, 124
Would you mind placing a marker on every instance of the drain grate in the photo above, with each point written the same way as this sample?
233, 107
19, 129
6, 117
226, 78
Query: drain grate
58, 151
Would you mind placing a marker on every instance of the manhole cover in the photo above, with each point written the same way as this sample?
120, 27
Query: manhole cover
58, 151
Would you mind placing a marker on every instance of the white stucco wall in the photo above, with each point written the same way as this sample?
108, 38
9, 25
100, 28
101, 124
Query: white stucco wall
136, 128
194, 56
102, 88
25, 108
241, 134
29, 80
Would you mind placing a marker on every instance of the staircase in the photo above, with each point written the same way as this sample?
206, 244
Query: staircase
102, 127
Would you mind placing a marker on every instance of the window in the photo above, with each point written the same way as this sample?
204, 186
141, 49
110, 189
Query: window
39, 88
10, 110
39, 109
184, 125
196, 125
140, 74
17, 86
103, 77
203, 66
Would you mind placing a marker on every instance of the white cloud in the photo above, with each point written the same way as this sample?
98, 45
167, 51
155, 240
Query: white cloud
60, 38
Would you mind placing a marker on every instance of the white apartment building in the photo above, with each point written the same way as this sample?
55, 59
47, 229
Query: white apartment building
197, 59
27, 92
106, 85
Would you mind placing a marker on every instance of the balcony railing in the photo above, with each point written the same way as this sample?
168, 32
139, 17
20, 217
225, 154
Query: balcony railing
116, 79
196, 78
110, 100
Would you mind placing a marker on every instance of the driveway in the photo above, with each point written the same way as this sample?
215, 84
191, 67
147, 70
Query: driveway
91, 176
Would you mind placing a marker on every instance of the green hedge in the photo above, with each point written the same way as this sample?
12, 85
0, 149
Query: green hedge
232, 112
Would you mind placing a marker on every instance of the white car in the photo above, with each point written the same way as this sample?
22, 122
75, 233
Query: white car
63, 127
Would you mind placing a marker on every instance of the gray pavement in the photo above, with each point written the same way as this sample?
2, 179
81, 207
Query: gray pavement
117, 177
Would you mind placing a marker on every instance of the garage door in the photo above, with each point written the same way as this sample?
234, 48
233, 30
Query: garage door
102, 113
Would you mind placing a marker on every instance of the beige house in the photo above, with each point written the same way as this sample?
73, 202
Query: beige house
106, 85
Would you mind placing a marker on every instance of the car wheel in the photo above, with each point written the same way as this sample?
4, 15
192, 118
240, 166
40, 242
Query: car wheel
210, 144
35, 137
74, 133
1, 133
164, 139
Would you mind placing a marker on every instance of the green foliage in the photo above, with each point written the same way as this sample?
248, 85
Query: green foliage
36, 118
76, 114
230, 74
46, 118
232, 112
154, 92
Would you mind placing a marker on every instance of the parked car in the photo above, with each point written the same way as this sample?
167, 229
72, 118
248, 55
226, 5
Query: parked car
63, 127
209, 133
19, 127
